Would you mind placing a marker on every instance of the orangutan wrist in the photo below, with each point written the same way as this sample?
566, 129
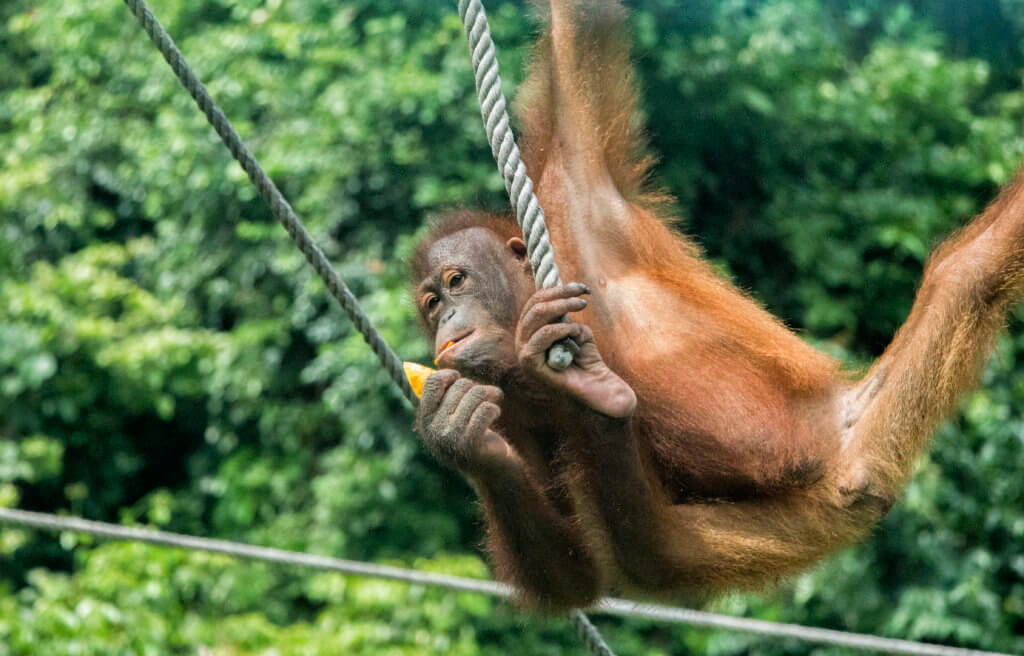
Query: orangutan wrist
609, 396
493, 457
603, 430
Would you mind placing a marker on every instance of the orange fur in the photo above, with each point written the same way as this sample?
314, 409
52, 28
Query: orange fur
713, 371
596, 117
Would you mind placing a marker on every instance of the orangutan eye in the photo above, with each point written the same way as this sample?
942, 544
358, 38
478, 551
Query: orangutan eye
456, 280
431, 303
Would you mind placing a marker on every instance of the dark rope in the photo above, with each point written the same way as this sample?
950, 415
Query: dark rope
269, 192
589, 634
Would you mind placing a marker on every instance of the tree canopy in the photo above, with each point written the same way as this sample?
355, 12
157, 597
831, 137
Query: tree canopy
167, 359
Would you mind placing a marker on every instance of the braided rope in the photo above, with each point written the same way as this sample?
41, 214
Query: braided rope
518, 184
589, 634
269, 192
620, 607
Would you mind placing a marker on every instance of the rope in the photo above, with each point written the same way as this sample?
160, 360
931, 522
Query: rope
284, 213
269, 192
620, 607
589, 634
529, 213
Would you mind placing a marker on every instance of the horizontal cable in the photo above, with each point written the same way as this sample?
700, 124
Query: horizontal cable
621, 607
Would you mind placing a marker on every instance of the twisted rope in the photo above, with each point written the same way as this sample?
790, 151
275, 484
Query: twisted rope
518, 184
269, 192
589, 634
620, 607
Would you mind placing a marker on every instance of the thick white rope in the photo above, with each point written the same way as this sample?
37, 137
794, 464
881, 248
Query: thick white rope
621, 607
518, 184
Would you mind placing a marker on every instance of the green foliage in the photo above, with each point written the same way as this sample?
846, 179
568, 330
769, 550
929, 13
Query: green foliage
137, 599
168, 359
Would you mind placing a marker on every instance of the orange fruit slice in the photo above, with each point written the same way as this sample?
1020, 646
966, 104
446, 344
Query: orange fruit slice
417, 375
446, 347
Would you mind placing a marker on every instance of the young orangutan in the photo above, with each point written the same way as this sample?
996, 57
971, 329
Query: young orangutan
704, 447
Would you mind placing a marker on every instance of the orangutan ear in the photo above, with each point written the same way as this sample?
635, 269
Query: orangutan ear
518, 247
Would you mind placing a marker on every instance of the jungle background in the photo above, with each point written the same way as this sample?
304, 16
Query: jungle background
167, 359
